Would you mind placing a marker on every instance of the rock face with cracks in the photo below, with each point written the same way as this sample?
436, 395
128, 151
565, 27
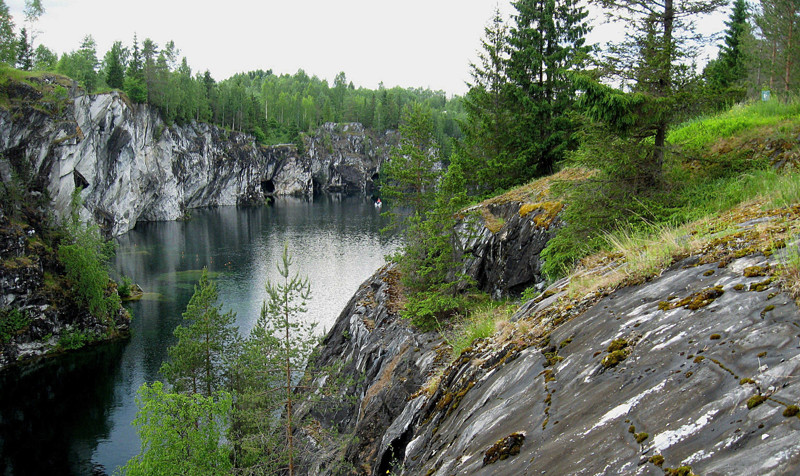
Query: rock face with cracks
544, 403
133, 167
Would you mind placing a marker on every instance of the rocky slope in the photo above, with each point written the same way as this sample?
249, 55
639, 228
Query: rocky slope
692, 368
37, 315
133, 167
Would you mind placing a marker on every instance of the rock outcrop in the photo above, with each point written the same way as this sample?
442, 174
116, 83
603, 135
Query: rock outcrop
346, 158
132, 167
36, 316
693, 370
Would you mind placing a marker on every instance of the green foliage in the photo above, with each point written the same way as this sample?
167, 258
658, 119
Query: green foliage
271, 365
180, 434
84, 253
73, 339
8, 42
198, 360
12, 321
81, 64
430, 263
125, 287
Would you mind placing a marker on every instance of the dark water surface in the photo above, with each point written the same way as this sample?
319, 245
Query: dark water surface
72, 414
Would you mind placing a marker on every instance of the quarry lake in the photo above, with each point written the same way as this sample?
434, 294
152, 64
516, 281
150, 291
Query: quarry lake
72, 414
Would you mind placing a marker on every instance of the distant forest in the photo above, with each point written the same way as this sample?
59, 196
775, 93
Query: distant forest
274, 108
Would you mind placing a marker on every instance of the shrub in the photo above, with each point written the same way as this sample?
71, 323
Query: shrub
11, 322
84, 254
73, 339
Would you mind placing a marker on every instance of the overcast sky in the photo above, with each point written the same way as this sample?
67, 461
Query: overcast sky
408, 43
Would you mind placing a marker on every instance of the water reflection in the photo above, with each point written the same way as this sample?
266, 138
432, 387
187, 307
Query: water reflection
72, 415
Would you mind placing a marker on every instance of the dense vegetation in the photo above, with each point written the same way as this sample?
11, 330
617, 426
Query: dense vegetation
224, 384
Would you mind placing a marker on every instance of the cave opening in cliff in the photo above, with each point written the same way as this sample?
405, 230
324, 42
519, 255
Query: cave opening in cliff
268, 187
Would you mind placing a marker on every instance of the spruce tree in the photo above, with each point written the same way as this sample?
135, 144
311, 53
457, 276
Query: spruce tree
660, 38
487, 125
546, 43
134, 82
114, 66
24, 52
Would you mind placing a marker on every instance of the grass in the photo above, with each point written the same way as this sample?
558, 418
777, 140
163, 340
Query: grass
789, 270
479, 324
701, 132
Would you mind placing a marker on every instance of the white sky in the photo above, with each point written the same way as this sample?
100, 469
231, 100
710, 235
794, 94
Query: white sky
408, 43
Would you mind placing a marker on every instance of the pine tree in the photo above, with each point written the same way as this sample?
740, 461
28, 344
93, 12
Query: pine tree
198, 360
779, 45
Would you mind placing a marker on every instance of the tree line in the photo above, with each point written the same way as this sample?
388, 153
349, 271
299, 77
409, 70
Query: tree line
275, 108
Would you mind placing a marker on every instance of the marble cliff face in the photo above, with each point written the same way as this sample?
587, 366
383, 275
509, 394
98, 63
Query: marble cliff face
132, 167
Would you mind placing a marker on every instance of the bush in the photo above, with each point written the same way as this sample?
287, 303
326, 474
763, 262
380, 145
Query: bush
84, 255
12, 321
74, 339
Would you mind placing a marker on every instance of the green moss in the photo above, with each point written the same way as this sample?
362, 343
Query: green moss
763, 285
681, 471
564, 343
739, 287
640, 437
617, 344
699, 359
715, 337
755, 401
762, 354
753, 271
614, 358
791, 410
504, 448
766, 310
746, 380
657, 460
709, 272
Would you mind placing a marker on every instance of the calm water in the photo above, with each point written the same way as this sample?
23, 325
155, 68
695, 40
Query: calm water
72, 415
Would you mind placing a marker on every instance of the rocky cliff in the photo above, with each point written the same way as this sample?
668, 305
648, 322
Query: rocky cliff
688, 371
132, 167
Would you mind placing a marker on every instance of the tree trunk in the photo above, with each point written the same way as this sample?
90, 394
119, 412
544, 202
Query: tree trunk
289, 401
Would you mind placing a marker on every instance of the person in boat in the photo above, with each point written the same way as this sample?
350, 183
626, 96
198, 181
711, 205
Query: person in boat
378, 203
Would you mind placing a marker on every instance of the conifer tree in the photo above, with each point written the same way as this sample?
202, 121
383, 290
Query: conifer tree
660, 39
8, 41
198, 360
134, 82
546, 43
730, 66
24, 52
115, 66
486, 128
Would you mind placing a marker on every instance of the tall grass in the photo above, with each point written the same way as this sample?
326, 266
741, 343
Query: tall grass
479, 324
